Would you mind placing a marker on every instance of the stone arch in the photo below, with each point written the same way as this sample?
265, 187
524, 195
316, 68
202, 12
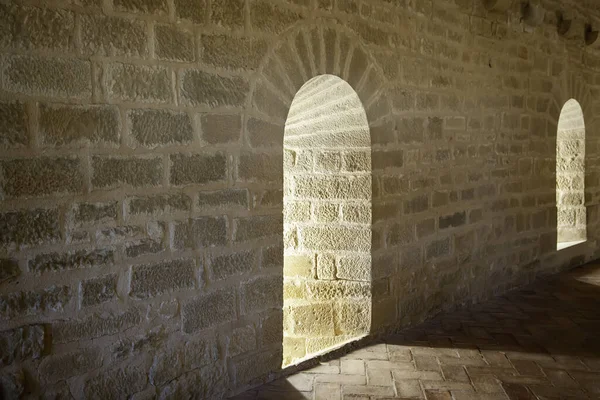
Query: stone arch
304, 52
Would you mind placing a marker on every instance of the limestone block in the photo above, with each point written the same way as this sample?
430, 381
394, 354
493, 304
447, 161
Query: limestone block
326, 212
335, 238
218, 128
60, 125
208, 382
293, 348
241, 340
313, 320
400, 233
416, 204
208, 310
159, 204
139, 83
200, 232
260, 167
156, 7
112, 172
256, 227
9, 269
41, 176
425, 228
294, 289
326, 266
98, 290
356, 161
262, 293
119, 234
95, 325
232, 52
572, 199
352, 318
328, 161
63, 366
110, 36
21, 343
438, 248
264, 134
92, 213
314, 345
12, 384
199, 87
452, 221
296, 211
166, 366
29, 227
227, 198
13, 125
197, 168
173, 43
227, 13
201, 351
193, 10
411, 130
52, 299
272, 257
356, 213
298, 265
322, 187
225, 266
266, 16
270, 103
116, 382
354, 268
332, 290
271, 329
149, 280
153, 128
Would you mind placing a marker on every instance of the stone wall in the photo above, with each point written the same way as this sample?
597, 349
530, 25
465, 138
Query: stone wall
570, 174
141, 174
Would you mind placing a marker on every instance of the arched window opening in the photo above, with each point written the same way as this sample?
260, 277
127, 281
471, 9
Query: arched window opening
570, 176
327, 220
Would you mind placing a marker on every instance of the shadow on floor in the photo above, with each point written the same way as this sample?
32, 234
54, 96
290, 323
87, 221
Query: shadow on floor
541, 342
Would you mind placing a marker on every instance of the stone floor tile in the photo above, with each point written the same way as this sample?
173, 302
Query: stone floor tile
409, 388
327, 391
380, 391
341, 378
438, 395
353, 367
426, 363
379, 377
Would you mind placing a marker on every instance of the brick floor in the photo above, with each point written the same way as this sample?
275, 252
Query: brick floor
542, 342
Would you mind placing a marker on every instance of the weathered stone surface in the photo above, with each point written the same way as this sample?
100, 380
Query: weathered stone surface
115, 383
153, 128
98, 290
9, 269
241, 340
326, 212
227, 13
200, 232
264, 134
166, 366
208, 310
298, 265
208, 382
257, 227
225, 266
255, 367
93, 213
63, 366
357, 213
159, 204
52, 299
142, 247
323, 290
139, 83
260, 167
95, 325
29, 227
197, 168
150, 280
201, 351
354, 268
228, 198
333, 187
193, 10
232, 52
270, 18
352, 318
60, 125
335, 238
112, 36
13, 125
454, 220
272, 256
312, 320
21, 343
173, 43
41, 176
45, 76
111, 172
12, 384
262, 293
438, 248
52, 262
118, 234
220, 128
157, 7
296, 211
199, 87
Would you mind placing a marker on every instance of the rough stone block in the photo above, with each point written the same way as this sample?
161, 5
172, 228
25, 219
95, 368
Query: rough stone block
24, 303
156, 7
257, 366
173, 43
208, 310
312, 320
193, 10
261, 293
296, 211
98, 290
325, 266
9, 269
241, 340
318, 187
37, 177
201, 351
200, 232
334, 290
197, 168
356, 213
225, 266
227, 198
119, 234
199, 87
416, 205
438, 248
272, 257
356, 161
327, 212
232, 52
149, 280
328, 161
112, 172
13, 125
352, 318
400, 233
209, 382
116, 383
335, 238
388, 159
260, 167
113, 36
268, 17
63, 366
29, 227
44, 76
153, 128
95, 325
159, 204
53, 262
452, 221
92, 213
227, 13
354, 268
257, 227
139, 83
220, 129
21, 343
142, 247
264, 134
62, 124
297, 265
